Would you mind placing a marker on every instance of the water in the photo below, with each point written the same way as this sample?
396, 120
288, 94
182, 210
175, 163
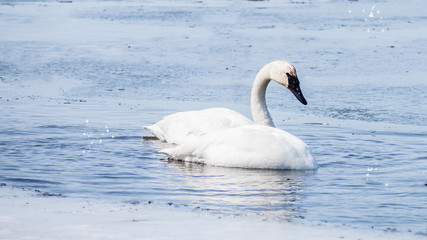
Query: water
79, 79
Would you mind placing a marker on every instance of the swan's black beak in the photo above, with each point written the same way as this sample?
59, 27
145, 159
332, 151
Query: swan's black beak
293, 86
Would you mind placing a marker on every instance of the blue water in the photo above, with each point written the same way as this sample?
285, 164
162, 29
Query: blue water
72, 108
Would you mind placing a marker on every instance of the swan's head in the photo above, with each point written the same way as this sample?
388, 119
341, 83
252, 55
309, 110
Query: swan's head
285, 74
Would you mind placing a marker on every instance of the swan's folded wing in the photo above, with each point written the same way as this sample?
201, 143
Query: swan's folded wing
179, 127
250, 146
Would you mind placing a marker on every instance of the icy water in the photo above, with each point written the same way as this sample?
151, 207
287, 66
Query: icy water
78, 80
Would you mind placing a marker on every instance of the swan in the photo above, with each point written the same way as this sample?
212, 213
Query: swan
223, 137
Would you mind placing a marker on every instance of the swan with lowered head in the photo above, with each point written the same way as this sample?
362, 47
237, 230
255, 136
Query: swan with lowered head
223, 137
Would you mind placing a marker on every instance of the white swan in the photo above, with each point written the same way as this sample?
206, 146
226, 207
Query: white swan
222, 137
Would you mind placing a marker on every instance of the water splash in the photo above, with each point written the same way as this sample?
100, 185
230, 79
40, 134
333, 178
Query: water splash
95, 136
372, 17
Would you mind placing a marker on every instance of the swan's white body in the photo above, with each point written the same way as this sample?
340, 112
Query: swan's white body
179, 127
223, 137
248, 146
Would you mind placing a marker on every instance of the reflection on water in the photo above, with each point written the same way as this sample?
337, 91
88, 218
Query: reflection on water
269, 193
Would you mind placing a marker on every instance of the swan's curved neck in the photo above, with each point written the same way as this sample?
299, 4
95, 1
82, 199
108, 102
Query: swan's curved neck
259, 109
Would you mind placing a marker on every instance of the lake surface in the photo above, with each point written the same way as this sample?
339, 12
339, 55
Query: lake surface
78, 80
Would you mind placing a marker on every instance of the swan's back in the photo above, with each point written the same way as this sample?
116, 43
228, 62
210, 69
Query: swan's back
249, 146
180, 127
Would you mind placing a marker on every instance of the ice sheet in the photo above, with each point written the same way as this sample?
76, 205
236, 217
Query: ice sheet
29, 215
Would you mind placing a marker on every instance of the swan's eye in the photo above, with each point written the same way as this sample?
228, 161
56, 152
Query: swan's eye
293, 82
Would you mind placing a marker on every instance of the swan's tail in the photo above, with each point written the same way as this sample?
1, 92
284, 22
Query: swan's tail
180, 151
155, 131
168, 151
173, 153
176, 153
